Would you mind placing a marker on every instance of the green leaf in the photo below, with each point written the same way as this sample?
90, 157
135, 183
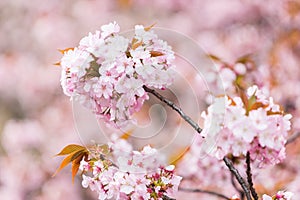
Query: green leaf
251, 102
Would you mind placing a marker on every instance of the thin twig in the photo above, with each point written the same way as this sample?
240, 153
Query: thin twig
167, 198
237, 175
241, 192
204, 191
249, 177
292, 138
174, 107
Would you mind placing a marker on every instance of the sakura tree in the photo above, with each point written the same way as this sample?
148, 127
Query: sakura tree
113, 75
250, 42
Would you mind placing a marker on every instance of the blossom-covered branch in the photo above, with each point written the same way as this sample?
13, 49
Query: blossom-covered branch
174, 107
113, 76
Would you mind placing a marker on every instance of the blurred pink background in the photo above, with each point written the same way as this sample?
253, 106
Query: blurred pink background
36, 118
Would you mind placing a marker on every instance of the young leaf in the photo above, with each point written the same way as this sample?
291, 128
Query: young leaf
70, 149
74, 153
57, 64
214, 58
65, 50
148, 28
64, 163
75, 166
258, 105
244, 99
126, 135
136, 45
156, 53
251, 102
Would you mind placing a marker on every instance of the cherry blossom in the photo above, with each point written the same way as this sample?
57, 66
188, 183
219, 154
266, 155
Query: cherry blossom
255, 124
106, 72
36, 121
133, 175
280, 195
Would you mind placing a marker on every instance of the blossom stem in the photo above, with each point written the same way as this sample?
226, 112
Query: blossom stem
237, 175
204, 191
174, 107
292, 138
249, 177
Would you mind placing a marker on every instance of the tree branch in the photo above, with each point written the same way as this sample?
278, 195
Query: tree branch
204, 191
292, 138
241, 192
237, 175
174, 107
249, 177
167, 198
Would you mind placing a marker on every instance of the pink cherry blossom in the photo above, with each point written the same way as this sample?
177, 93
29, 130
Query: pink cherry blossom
280, 195
106, 72
261, 131
129, 174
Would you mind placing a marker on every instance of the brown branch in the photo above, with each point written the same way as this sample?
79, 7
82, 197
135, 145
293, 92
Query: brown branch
237, 175
167, 198
241, 192
249, 177
292, 138
204, 191
174, 107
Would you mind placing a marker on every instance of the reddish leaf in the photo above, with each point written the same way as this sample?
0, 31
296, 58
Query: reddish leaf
149, 27
136, 45
75, 166
274, 113
213, 57
258, 105
156, 53
70, 149
244, 59
126, 135
75, 153
64, 163
232, 101
244, 98
134, 40
65, 50
57, 64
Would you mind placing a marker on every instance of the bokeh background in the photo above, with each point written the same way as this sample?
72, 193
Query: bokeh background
36, 119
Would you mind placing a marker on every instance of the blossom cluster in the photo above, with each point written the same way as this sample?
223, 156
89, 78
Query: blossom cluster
242, 73
250, 123
107, 71
133, 175
280, 195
